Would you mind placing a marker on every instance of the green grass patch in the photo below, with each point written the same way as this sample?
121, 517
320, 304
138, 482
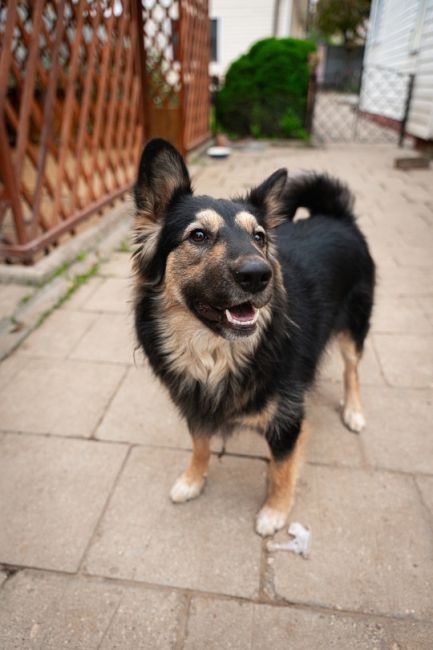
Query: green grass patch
58, 272
76, 283
24, 300
63, 268
124, 247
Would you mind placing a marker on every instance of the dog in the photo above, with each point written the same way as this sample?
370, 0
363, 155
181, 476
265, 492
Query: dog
235, 303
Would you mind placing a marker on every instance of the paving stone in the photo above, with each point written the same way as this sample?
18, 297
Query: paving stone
329, 441
118, 266
426, 304
113, 295
414, 256
11, 337
234, 625
371, 544
146, 619
416, 231
425, 484
142, 412
406, 359
42, 301
58, 334
246, 442
56, 490
403, 282
332, 366
207, 544
110, 338
81, 295
400, 316
384, 261
408, 635
66, 398
9, 367
398, 424
48, 612
10, 297
216, 624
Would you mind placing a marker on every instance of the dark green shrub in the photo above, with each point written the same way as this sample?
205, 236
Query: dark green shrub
265, 90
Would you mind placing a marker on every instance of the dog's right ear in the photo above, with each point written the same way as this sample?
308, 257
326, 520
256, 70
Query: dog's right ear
162, 174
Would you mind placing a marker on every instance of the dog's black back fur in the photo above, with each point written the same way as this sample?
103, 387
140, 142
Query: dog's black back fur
327, 287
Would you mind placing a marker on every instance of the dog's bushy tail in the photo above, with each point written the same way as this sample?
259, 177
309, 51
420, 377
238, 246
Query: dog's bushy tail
320, 194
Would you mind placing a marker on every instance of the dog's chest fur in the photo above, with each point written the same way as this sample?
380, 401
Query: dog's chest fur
195, 354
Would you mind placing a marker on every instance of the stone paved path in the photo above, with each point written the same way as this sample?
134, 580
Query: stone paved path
93, 553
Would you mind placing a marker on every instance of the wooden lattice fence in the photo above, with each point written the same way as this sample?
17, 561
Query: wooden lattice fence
83, 83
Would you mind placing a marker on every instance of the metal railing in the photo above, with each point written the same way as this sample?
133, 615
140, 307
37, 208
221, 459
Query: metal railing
83, 83
372, 109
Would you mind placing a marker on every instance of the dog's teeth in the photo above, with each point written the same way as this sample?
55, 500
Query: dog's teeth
235, 321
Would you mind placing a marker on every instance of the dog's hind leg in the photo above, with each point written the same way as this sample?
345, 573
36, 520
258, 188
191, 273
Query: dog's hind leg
284, 469
190, 484
353, 416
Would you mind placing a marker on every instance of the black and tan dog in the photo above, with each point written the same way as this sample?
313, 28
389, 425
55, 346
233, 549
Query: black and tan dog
235, 304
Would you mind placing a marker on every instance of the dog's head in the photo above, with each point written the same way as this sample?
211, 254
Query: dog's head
214, 257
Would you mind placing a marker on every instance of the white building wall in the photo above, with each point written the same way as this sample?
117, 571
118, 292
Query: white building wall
420, 121
392, 25
241, 23
400, 38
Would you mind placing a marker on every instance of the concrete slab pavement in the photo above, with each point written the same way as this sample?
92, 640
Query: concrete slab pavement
94, 555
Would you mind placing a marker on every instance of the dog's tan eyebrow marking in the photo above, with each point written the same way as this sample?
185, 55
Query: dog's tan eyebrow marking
210, 219
207, 219
248, 222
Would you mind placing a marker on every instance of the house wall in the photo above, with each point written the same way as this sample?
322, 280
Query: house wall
242, 22
420, 121
400, 40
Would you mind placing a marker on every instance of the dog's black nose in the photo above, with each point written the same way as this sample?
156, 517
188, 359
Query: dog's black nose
253, 275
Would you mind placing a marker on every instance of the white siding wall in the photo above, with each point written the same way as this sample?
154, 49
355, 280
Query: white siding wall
400, 38
241, 23
420, 121
391, 33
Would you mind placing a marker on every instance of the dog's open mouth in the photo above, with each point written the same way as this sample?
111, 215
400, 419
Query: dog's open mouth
241, 318
244, 315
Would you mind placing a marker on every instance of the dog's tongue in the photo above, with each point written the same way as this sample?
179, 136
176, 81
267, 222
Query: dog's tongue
244, 312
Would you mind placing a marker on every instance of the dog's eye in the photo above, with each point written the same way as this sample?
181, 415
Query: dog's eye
259, 238
198, 236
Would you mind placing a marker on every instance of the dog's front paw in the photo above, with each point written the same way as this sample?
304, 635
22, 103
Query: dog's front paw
184, 489
269, 521
354, 420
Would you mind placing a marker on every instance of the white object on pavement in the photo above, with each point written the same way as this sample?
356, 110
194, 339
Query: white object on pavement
300, 544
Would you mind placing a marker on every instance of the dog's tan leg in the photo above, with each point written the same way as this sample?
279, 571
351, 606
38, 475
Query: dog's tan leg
353, 416
190, 484
283, 477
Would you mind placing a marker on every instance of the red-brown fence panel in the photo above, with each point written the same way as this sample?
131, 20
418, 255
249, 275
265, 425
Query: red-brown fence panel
82, 84
195, 47
176, 54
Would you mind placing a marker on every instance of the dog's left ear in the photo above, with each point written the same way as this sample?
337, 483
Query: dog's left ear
162, 174
269, 198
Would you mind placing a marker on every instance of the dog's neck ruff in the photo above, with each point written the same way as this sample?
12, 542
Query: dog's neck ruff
195, 353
